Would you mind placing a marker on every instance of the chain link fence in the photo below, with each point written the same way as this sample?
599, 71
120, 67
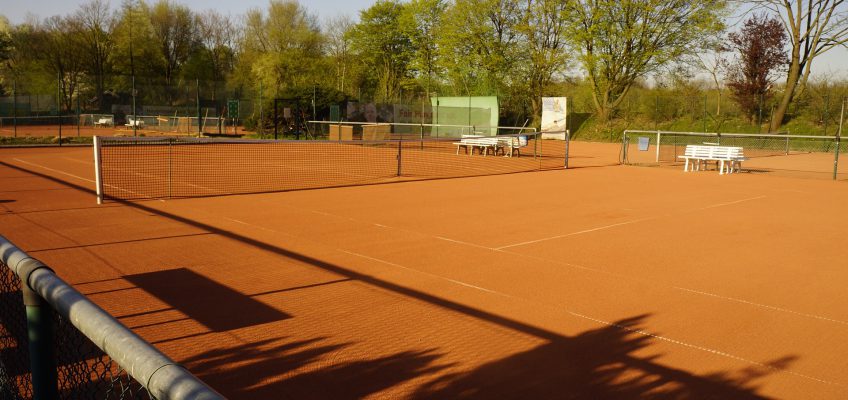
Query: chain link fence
44, 355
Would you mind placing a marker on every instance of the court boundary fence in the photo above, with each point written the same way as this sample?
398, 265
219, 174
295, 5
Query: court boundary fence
777, 144
49, 333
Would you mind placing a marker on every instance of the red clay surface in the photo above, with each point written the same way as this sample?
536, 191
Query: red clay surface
602, 281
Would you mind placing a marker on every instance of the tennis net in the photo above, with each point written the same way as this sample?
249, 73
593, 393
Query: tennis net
179, 167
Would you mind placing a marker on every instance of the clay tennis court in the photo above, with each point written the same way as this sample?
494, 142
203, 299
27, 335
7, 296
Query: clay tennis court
601, 281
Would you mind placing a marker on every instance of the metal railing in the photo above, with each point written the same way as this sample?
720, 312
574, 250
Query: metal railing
57, 343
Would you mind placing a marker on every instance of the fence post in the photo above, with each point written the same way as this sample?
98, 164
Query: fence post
15, 107
79, 114
59, 104
135, 117
40, 321
838, 139
705, 113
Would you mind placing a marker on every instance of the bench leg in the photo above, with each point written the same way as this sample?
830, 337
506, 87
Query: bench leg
686, 166
720, 167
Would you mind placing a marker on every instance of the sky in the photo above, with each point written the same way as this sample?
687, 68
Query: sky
833, 64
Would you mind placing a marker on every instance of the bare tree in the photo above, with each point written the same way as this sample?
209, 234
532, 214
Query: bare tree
336, 31
814, 27
174, 27
96, 21
218, 34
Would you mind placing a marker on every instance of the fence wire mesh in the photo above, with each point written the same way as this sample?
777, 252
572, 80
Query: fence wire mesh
797, 155
84, 371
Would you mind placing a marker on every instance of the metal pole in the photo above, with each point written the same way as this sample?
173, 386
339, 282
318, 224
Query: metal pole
705, 113
197, 101
275, 120
79, 111
15, 107
260, 109
135, 117
567, 145
659, 137
59, 104
838, 139
40, 335
398, 157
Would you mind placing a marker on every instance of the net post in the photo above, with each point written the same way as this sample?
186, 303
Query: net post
624, 138
567, 146
659, 137
98, 170
197, 103
399, 158
170, 167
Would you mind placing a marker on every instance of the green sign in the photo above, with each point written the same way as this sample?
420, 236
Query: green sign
335, 115
232, 108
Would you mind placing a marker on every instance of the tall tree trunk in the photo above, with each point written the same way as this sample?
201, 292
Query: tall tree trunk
788, 92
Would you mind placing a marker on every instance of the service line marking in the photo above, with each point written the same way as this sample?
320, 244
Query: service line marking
623, 223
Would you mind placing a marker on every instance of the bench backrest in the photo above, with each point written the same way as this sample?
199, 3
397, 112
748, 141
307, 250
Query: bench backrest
713, 152
481, 141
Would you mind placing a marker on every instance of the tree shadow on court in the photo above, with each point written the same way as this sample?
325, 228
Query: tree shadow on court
604, 363
596, 364
613, 361
305, 369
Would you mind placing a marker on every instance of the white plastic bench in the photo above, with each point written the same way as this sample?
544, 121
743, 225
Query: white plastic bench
699, 156
104, 121
138, 123
513, 145
471, 142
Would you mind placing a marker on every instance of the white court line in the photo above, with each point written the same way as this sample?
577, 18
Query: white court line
559, 307
81, 178
623, 223
732, 203
573, 313
601, 271
577, 233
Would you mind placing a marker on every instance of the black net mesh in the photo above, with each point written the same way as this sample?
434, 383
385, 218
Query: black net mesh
152, 168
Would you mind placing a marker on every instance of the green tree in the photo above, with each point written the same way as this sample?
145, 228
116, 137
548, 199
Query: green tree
383, 45
5, 52
542, 27
620, 41
135, 50
479, 45
175, 34
422, 20
282, 48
